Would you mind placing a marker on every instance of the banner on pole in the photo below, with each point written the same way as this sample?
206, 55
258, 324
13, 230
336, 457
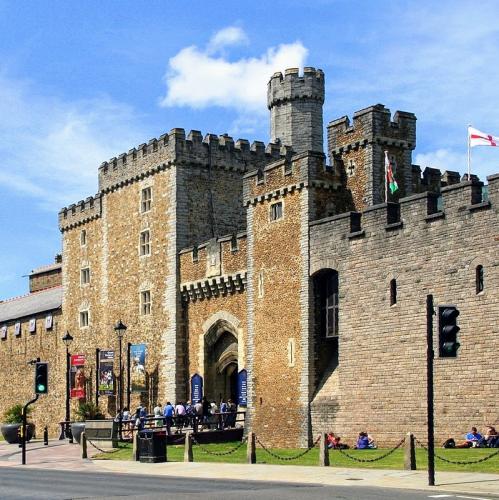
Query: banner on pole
78, 376
106, 378
138, 367
242, 388
196, 388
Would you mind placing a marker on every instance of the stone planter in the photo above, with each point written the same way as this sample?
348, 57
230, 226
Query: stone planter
10, 432
77, 428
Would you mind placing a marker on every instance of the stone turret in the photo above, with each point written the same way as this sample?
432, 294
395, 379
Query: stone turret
295, 104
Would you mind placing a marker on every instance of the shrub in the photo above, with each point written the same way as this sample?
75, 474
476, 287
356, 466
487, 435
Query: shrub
88, 411
14, 414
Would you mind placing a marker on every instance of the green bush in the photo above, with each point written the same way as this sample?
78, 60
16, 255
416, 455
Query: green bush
88, 411
14, 414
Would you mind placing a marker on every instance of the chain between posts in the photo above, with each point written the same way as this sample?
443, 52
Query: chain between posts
459, 462
219, 453
366, 460
100, 449
301, 454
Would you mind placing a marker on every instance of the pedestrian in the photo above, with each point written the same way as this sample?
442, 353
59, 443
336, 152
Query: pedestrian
168, 414
158, 416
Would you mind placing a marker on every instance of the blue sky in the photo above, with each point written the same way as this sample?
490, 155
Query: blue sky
81, 82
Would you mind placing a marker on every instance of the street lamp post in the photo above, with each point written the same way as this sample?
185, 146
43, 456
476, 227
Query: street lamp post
120, 329
67, 339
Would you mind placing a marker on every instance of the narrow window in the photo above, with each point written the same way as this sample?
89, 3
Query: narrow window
276, 211
145, 302
393, 292
291, 352
83, 237
145, 242
85, 276
479, 279
260, 285
145, 200
327, 297
83, 319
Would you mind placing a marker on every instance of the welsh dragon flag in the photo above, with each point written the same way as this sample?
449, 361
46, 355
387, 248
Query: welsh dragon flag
392, 183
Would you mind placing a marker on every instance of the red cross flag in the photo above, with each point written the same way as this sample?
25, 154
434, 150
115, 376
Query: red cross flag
477, 138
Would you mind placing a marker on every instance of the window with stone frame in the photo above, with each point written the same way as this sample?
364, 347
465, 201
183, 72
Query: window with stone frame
276, 211
85, 276
145, 302
146, 199
145, 243
479, 284
83, 237
326, 296
84, 319
393, 292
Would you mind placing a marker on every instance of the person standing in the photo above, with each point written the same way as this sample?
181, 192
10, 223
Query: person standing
168, 414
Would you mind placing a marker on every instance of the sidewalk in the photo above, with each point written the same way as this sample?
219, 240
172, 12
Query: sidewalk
60, 455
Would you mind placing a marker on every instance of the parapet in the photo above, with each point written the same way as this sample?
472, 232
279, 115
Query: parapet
292, 86
220, 152
80, 213
373, 124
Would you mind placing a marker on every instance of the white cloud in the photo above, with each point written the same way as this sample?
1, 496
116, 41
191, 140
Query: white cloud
443, 159
51, 149
231, 35
199, 79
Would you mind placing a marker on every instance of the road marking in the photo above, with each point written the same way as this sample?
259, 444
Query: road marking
473, 498
440, 496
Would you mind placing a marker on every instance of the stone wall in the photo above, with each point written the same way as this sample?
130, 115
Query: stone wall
381, 384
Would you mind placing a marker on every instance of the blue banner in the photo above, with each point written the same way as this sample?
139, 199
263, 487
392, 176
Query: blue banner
196, 388
242, 388
138, 367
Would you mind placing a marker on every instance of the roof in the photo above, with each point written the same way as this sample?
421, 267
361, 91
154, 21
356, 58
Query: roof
44, 269
31, 304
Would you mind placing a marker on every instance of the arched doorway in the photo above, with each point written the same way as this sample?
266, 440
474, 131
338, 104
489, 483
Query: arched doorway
221, 362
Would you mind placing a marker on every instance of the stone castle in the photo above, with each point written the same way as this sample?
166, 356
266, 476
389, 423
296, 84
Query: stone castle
277, 259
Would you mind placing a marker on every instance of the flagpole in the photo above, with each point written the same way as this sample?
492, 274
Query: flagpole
386, 179
469, 153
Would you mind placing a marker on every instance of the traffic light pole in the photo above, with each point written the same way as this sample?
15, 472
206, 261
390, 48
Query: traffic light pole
430, 311
23, 437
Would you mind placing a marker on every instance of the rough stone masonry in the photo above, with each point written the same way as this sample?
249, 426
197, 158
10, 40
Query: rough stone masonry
227, 258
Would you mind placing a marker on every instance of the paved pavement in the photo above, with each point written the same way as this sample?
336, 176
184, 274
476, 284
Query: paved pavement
62, 456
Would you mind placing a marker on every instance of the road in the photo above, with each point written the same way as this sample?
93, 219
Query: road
17, 483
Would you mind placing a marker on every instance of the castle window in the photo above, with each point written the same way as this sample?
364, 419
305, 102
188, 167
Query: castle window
276, 211
479, 279
393, 292
351, 168
145, 302
393, 163
326, 296
84, 319
260, 285
85, 276
145, 242
291, 352
83, 237
145, 199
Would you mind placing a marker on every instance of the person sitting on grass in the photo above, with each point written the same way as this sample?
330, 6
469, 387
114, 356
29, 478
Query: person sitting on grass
362, 441
472, 439
333, 442
491, 438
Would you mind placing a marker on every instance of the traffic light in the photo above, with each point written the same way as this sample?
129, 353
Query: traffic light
41, 378
447, 331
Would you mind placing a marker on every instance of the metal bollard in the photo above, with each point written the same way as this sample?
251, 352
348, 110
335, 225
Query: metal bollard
410, 452
251, 448
323, 451
83, 441
188, 455
46, 436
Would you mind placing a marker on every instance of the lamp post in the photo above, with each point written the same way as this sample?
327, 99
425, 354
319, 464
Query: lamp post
120, 329
67, 339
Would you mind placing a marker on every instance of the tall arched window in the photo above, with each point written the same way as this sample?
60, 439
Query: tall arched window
326, 294
479, 279
393, 292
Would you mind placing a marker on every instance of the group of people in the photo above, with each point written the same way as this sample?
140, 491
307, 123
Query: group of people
473, 439
364, 442
204, 414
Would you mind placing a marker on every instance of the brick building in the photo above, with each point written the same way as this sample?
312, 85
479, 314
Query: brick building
226, 258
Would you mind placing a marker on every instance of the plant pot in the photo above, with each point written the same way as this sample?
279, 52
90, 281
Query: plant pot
10, 432
77, 428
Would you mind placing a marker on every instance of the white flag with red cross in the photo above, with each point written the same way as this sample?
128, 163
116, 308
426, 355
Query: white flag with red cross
477, 138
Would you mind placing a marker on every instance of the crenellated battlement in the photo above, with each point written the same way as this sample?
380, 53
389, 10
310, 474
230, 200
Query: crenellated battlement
176, 148
455, 202
80, 213
292, 86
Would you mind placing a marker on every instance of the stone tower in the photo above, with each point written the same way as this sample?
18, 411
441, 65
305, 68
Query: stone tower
357, 153
295, 104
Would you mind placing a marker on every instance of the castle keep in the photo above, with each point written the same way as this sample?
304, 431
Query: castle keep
223, 256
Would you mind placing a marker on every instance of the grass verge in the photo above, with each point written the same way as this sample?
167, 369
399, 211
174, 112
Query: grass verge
337, 459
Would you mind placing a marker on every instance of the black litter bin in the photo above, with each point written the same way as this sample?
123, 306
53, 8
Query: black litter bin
152, 446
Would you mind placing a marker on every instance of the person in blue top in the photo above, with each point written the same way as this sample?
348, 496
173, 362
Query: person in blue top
168, 414
362, 441
472, 439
